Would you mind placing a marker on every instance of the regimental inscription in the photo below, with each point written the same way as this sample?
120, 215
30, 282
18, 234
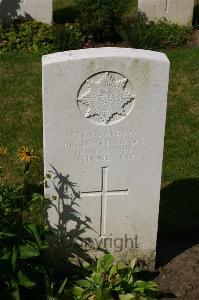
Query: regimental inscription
104, 193
106, 98
102, 145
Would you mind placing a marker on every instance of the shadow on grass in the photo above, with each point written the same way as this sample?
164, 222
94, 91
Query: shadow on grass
178, 219
65, 15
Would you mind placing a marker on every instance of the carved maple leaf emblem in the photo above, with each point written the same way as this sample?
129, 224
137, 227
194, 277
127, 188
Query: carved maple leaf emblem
106, 97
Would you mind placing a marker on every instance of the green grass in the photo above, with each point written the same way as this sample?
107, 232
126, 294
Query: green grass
179, 205
21, 107
21, 124
182, 127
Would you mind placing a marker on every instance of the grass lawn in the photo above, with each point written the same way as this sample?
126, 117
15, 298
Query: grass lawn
21, 124
181, 150
21, 108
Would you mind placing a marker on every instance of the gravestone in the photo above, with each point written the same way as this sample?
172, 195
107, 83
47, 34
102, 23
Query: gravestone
39, 10
175, 11
104, 120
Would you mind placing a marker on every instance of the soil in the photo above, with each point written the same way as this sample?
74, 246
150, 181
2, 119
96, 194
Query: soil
178, 271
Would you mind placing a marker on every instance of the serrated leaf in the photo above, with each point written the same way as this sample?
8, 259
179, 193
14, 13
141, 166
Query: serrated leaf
25, 281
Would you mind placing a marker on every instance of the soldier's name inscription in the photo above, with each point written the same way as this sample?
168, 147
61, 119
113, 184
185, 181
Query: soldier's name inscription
101, 145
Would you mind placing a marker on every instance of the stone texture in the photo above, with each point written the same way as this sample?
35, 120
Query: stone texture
39, 10
104, 120
175, 11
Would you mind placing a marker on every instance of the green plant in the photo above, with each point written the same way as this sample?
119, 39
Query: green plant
136, 32
32, 36
22, 242
108, 280
171, 35
140, 33
119, 7
98, 19
27, 36
67, 37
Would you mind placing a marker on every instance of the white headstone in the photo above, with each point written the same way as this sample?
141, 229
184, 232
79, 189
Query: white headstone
104, 120
175, 11
39, 10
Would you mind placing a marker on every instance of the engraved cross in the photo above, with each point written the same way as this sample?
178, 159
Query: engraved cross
104, 193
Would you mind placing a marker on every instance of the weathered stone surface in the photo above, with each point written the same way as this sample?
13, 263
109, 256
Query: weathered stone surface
104, 120
39, 10
175, 11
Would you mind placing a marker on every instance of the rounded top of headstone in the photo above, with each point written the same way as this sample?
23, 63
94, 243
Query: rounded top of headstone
104, 52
